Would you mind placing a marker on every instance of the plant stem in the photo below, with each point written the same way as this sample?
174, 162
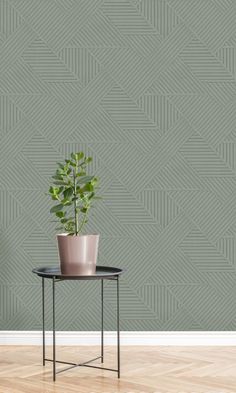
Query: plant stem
83, 222
75, 202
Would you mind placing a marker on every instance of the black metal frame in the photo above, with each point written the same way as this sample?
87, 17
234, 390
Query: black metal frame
84, 364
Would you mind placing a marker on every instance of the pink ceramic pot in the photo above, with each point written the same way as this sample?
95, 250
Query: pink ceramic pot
78, 254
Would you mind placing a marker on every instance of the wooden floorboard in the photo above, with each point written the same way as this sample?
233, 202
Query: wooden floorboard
143, 370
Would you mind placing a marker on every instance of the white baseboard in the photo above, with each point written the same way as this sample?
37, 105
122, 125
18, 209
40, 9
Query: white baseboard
127, 338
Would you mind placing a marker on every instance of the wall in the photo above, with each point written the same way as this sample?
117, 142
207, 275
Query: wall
147, 87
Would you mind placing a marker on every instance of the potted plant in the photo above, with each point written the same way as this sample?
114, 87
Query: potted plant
74, 192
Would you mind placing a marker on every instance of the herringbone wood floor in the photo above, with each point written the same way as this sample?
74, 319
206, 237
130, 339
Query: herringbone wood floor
144, 369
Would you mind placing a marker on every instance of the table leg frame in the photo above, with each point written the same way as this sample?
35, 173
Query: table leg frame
118, 326
85, 364
53, 328
102, 329
43, 315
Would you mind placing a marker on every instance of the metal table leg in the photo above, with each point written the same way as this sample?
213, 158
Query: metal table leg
85, 364
53, 327
102, 330
43, 315
118, 329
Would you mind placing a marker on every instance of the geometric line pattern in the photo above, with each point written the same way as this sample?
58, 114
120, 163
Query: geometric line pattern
148, 88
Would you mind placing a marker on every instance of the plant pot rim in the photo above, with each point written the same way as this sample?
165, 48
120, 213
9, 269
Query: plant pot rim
71, 236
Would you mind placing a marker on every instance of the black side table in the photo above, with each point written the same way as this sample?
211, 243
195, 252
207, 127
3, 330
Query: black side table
102, 273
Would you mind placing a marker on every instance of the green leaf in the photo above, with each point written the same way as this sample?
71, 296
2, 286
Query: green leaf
64, 220
88, 187
60, 172
65, 201
85, 179
73, 156
91, 195
57, 177
60, 165
79, 155
81, 174
70, 224
60, 214
68, 192
89, 159
54, 197
94, 181
56, 208
84, 209
51, 190
70, 227
60, 182
67, 221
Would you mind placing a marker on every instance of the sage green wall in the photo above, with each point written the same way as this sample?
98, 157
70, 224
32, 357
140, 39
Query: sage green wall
147, 87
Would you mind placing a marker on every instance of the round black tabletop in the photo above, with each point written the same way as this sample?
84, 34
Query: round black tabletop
102, 272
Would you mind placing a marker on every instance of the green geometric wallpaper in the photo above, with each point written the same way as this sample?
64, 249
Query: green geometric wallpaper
148, 88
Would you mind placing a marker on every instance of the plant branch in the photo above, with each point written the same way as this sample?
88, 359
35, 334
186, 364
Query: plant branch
83, 222
72, 187
75, 203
